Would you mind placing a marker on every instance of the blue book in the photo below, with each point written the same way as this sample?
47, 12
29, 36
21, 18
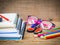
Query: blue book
10, 37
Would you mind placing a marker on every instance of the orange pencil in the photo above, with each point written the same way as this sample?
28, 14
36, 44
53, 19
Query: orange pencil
52, 36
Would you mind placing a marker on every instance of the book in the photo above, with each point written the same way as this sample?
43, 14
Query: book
9, 20
10, 35
13, 30
15, 36
8, 31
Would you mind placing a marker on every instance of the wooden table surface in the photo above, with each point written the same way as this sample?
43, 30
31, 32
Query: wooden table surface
30, 40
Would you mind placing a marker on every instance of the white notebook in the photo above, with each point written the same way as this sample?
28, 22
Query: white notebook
11, 22
10, 35
8, 30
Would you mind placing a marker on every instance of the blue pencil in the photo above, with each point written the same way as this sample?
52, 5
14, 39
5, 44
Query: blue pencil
53, 32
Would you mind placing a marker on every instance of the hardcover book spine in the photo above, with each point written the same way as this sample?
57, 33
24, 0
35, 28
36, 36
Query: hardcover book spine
23, 27
19, 23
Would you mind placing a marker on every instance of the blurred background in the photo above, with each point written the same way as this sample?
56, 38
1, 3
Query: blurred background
43, 9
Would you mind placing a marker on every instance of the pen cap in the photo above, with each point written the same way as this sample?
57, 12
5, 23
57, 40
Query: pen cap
0, 19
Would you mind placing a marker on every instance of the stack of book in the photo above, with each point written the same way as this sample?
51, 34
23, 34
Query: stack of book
12, 27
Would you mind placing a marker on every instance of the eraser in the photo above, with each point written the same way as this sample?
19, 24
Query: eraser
30, 29
38, 30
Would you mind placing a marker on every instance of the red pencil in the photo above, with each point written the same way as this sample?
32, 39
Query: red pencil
4, 17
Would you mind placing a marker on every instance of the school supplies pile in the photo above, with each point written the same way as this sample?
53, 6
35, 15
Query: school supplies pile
12, 27
42, 28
